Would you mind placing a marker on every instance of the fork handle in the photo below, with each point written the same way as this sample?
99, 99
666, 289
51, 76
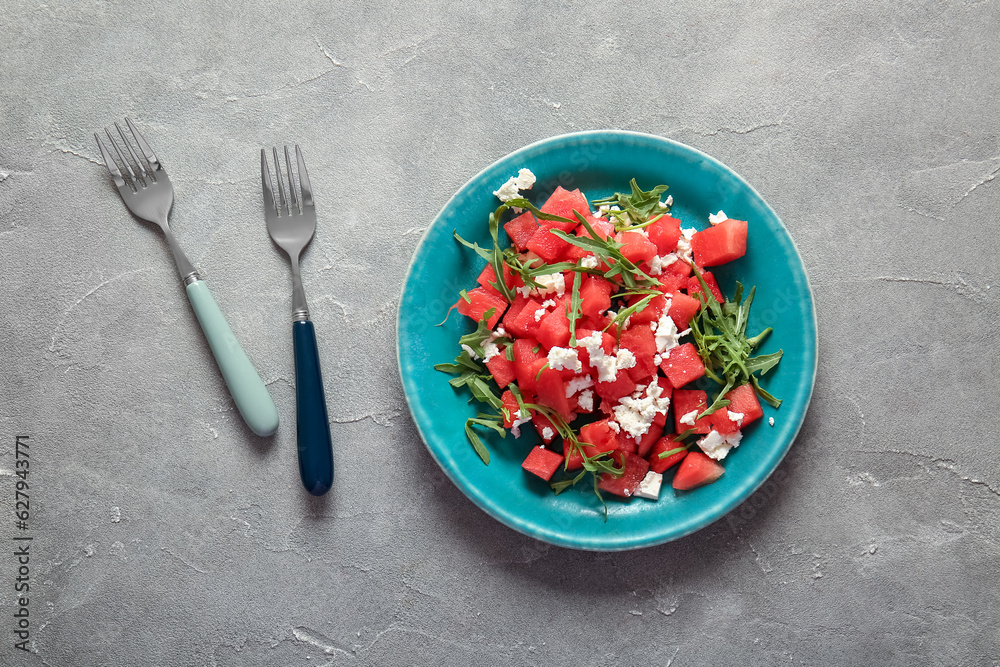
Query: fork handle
247, 389
312, 422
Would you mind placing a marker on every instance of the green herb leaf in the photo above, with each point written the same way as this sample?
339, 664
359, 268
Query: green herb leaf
671, 452
574, 309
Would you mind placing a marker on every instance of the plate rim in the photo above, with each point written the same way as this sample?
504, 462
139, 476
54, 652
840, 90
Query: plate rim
538, 532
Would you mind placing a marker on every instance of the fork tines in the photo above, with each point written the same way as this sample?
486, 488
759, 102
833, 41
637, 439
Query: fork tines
140, 171
285, 204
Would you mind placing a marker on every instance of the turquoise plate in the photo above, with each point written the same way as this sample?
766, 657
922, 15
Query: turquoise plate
600, 163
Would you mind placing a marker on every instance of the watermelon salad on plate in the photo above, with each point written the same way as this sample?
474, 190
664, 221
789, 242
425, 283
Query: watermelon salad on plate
605, 316
460, 430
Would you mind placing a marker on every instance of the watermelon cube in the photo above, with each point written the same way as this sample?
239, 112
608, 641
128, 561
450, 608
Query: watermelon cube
502, 369
686, 401
720, 243
551, 390
542, 462
614, 390
636, 247
547, 245
595, 295
510, 404
665, 444
682, 309
696, 470
523, 324
651, 313
648, 440
694, 287
488, 276
641, 342
636, 468
521, 229
743, 399
683, 365
563, 202
553, 330
665, 232
595, 437
480, 301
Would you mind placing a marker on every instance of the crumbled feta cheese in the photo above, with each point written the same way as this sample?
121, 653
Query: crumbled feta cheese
684, 244
635, 413
689, 417
563, 358
605, 364
670, 200
614, 426
511, 189
578, 383
650, 485
515, 428
771, 421
716, 218
523, 291
550, 282
625, 359
589, 262
547, 433
540, 313
472, 353
491, 350
717, 446
666, 336
657, 359
658, 263
586, 400
736, 417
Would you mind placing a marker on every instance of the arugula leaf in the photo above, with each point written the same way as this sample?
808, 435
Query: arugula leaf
574, 309
622, 315
640, 208
719, 332
489, 421
671, 452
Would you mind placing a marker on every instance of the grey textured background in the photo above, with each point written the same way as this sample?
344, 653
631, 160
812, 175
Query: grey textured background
167, 534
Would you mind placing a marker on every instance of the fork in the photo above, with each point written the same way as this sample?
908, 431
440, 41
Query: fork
149, 195
291, 227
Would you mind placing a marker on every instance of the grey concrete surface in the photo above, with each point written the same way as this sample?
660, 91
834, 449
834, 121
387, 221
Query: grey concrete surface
166, 533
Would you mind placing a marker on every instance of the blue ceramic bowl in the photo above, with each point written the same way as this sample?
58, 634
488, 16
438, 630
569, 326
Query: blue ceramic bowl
600, 163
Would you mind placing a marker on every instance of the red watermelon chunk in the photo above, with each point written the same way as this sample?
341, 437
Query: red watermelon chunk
554, 328
665, 444
648, 440
682, 309
595, 296
696, 470
512, 313
481, 300
551, 390
641, 342
563, 202
521, 229
686, 400
547, 245
683, 365
488, 276
694, 287
542, 462
545, 429
721, 422
671, 283
665, 233
720, 243
622, 385
502, 369
636, 247
743, 399
595, 437
510, 403
636, 468
524, 325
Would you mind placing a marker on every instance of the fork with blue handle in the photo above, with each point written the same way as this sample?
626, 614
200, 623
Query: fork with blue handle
147, 192
291, 222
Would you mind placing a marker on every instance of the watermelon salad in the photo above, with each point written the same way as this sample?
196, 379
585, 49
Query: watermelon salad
602, 327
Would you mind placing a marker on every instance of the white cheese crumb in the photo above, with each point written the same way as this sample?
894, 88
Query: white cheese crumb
684, 244
717, 446
491, 350
670, 200
614, 426
689, 417
771, 421
547, 433
658, 263
736, 417
650, 485
636, 413
516, 426
589, 262
564, 358
586, 400
523, 291
716, 218
605, 364
578, 383
625, 359
666, 335
511, 189
550, 282
472, 353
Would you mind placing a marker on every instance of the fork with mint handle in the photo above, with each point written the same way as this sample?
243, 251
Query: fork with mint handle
291, 222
